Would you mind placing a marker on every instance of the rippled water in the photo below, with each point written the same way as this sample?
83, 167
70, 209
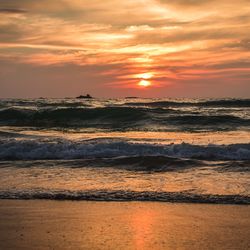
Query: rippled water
125, 149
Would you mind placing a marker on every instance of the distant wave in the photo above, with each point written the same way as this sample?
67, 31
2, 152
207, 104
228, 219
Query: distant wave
120, 118
43, 103
66, 116
212, 103
124, 195
14, 149
233, 102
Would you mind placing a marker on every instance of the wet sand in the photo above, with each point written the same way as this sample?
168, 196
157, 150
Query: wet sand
122, 225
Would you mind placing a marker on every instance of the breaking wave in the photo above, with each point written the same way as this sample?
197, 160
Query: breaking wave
14, 149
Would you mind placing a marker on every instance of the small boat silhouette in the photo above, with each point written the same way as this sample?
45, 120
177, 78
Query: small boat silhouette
84, 97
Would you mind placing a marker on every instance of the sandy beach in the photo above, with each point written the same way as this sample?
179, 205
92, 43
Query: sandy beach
122, 225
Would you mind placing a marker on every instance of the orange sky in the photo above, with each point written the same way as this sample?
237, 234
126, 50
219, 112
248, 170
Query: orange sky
114, 48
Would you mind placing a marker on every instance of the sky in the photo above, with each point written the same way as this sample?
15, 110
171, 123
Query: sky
118, 48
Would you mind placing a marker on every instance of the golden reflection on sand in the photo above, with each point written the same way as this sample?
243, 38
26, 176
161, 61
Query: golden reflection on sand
142, 224
122, 225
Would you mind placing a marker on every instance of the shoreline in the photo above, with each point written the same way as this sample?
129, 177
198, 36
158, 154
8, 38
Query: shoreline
47, 224
227, 202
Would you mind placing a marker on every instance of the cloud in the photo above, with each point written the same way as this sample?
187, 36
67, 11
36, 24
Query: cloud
199, 3
186, 2
210, 40
12, 11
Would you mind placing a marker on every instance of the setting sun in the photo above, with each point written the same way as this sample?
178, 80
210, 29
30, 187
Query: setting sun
144, 83
144, 79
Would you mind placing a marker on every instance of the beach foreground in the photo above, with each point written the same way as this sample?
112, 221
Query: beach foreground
39, 224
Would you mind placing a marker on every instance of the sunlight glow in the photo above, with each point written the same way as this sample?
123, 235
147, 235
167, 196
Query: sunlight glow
144, 83
145, 75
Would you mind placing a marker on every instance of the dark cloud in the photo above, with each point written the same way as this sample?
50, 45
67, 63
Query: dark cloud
232, 65
12, 11
243, 44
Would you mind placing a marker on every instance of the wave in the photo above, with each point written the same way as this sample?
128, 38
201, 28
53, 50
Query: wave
120, 118
233, 166
131, 163
67, 116
162, 164
44, 103
14, 149
148, 164
123, 195
206, 120
211, 103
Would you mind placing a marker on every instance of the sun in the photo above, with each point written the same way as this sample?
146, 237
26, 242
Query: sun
145, 79
144, 83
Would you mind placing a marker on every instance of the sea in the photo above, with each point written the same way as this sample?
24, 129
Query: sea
131, 149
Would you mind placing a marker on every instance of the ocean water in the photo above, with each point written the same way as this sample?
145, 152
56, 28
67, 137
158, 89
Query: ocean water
185, 150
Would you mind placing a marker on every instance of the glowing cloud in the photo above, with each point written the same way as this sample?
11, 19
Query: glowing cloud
179, 48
